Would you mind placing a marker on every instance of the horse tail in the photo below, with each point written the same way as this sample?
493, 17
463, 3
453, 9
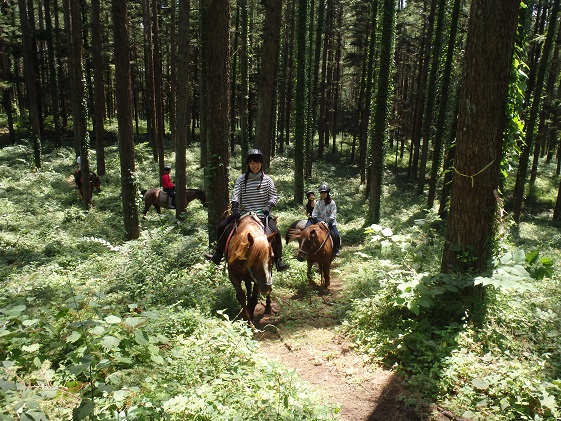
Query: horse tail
292, 234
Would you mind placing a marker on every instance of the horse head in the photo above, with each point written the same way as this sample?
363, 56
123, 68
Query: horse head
203, 198
311, 241
95, 182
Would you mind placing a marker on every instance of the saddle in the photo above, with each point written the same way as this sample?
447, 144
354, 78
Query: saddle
266, 229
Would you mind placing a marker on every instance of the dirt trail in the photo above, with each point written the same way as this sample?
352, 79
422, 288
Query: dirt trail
326, 360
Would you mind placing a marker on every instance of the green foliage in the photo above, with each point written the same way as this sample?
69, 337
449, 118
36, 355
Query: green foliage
92, 327
498, 360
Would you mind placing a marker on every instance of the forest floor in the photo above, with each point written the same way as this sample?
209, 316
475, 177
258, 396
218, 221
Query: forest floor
311, 346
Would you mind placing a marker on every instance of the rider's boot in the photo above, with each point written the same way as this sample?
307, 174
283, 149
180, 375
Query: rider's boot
281, 265
170, 202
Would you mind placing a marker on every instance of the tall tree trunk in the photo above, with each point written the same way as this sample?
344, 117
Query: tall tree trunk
182, 103
30, 85
158, 89
481, 121
381, 110
149, 75
99, 97
173, 76
364, 120
431, 92
77, 99
548, 90
244, 82
518, 198
444, 101
300, 101
53, 82
7, 93
218, 94
267, 75
129, 189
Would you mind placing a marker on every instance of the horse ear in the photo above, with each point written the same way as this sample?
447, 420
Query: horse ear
271, 237
250, 239
313, 233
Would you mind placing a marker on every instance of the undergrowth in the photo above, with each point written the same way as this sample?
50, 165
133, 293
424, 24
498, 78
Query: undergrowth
95, 327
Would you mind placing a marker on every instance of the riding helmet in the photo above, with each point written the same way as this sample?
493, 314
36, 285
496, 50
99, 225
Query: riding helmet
324, 188
167, 168
254, 155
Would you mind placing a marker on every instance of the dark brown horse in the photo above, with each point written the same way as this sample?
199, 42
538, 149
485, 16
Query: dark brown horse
296, 225
95, 181
249, 255
159, 198
315, 246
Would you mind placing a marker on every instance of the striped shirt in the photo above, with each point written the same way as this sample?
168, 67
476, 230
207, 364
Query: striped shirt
325, 213
254, 195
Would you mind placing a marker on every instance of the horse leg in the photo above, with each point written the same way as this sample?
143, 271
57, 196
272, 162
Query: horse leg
310, 266
325, 268
158, 209
240, 295
252, 299
268, 309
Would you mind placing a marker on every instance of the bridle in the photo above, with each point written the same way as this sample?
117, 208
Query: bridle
307, 253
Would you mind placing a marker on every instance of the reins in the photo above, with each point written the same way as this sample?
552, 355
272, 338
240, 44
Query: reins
307, 253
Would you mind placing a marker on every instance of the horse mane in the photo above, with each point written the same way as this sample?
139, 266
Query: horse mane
259, 251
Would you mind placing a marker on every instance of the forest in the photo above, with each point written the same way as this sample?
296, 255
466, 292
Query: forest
436, 124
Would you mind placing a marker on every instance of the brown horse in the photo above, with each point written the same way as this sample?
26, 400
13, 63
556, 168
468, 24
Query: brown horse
159, 198
296, 225
95, 181
249, 255
315, 246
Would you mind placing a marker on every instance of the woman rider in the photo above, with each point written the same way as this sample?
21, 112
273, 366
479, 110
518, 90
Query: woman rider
254, 191
326, 210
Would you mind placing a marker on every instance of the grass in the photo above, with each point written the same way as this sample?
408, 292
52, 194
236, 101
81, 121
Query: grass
92, 324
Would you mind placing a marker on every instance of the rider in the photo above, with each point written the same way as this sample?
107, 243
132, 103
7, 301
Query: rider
311, 196
254, 191
168, 186
326, 210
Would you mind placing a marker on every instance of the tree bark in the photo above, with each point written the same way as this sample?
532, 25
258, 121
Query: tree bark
30, 85
300, 101
99, 95
182, 103
381, 110
267, 75
481, 120
218, 74
129, 189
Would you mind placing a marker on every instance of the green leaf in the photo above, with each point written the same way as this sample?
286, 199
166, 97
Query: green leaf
549, 402
157, 358
29, 322
134, 321
113, 319
413, 307
532, 257
480, 383
14, 311
83, 411
73, 337
31, 348
141, 337
110, 342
